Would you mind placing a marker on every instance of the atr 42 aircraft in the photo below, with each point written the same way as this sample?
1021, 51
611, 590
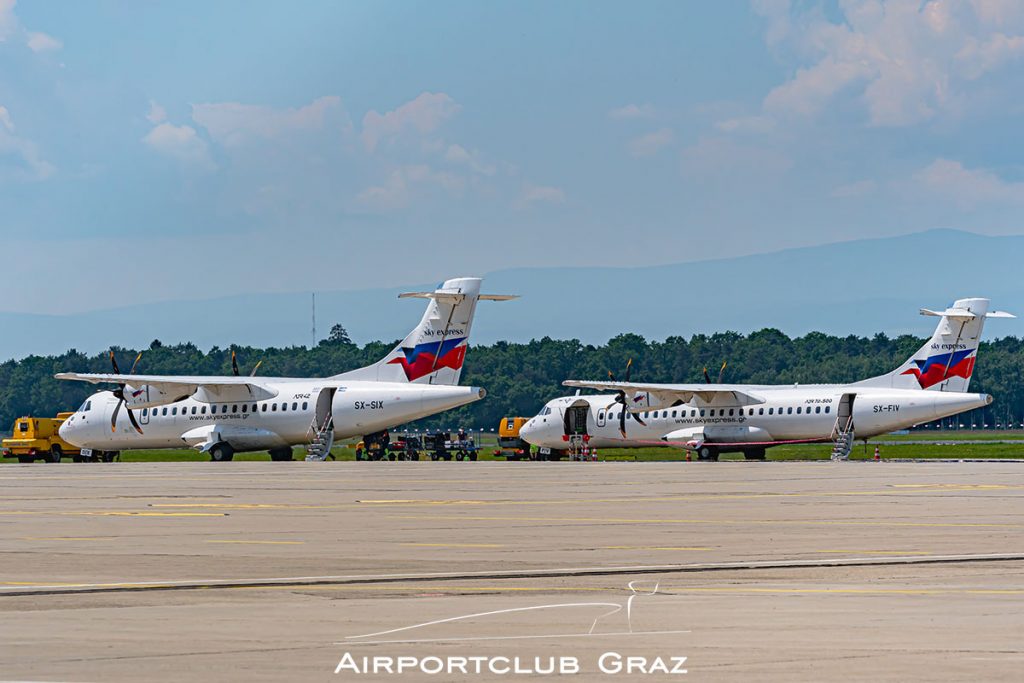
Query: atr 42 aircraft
225, 415
715, 418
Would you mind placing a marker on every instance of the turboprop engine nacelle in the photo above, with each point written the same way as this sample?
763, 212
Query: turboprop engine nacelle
148, 396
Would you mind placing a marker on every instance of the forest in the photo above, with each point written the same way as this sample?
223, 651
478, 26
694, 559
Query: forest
520, 377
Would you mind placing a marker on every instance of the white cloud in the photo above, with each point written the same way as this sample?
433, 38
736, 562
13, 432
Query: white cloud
8, 22
906, 61
633, 111
28, 164
42, 42
156, 114
457, 154
650, 144
181, 143
403, 183
967, 187
424, 114
539, 194
232, 124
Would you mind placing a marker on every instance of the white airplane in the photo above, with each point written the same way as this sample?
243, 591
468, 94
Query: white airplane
229, 414
715, 418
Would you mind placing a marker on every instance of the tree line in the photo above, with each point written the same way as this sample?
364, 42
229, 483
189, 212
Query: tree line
521, 377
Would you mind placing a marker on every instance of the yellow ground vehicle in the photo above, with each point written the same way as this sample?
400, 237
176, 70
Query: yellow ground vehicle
36, 438
510, 446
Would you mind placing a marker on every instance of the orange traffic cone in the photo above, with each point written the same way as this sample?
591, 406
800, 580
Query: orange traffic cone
687, 456
877, 458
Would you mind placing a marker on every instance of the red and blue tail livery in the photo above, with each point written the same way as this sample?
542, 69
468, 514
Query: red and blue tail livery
935, 369
425, 358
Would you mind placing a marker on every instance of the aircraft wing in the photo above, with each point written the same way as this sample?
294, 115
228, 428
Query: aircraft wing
208, 388
666, 394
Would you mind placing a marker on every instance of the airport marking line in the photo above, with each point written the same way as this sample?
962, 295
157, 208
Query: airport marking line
567, 572
406, 502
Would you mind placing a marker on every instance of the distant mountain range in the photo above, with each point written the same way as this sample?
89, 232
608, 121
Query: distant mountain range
857, 287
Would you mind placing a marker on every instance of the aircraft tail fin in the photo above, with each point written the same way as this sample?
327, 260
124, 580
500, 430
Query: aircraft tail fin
946, 361
433, 353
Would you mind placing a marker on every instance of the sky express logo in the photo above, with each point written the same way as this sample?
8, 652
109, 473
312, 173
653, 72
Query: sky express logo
935, 369
427, 357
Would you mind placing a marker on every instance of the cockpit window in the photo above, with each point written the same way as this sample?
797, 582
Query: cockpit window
86, 407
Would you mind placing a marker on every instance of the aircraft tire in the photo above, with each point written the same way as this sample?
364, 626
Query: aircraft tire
707, 453
55, 454
222, 452
280, 454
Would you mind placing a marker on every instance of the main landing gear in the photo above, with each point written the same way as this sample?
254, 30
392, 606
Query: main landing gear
222, 452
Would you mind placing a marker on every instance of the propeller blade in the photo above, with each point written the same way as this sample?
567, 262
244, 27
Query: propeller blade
136, 362
256, 367
131, 418
113, 416
636, 416
622, 422
234, 364
707, 377
721, 372
611, 376
629, 367
113, 361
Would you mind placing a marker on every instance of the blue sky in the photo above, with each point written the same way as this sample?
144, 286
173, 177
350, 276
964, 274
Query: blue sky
193, 149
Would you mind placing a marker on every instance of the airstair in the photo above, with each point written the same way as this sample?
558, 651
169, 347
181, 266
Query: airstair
843, 432
323, 438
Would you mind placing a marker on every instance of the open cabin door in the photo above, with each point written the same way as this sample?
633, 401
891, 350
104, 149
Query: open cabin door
576, 418
324, 402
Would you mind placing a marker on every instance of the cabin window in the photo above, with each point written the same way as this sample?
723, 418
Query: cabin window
202, 410
673, 413
817, 409
234, 408
827, 409
760, 411
284, 407
731, 412
295, 406
693, 413
702, 412
789, 411
771, 411
305, 406
600, 415
145, 412
799, 410
245, 407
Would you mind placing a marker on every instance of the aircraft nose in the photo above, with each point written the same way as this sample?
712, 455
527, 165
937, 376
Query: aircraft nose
530, 432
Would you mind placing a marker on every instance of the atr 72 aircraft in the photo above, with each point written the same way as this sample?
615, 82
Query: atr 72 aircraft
716, 418
225, 415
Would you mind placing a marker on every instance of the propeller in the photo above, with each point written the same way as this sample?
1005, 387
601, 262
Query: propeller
119, 395
620, 398
234, 366
721, 373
